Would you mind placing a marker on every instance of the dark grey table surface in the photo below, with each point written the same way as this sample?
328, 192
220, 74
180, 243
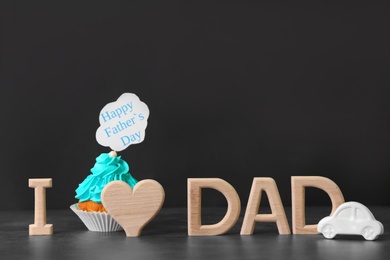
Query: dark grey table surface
166, 238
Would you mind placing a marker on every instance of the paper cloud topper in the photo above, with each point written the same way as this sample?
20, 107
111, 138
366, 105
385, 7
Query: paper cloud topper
123, 122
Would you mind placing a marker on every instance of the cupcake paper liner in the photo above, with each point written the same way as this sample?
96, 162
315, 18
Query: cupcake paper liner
96, 221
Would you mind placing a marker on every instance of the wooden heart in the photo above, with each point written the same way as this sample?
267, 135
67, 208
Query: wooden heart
133, 209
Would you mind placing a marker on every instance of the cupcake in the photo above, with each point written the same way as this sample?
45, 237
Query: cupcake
108, 167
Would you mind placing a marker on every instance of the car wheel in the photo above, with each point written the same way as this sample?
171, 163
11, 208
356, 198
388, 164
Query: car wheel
369, 234
328, 231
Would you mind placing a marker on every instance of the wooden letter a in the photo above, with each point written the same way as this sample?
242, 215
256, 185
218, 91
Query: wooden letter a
278, 215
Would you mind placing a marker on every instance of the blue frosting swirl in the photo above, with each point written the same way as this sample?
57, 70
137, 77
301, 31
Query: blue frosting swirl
105, 170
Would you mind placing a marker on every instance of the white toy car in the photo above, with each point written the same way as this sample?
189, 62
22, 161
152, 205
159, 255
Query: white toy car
351, 218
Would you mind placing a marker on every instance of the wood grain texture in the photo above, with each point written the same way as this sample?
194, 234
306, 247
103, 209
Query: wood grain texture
195, 186
278, 215
40, 227
133, 209
298, 184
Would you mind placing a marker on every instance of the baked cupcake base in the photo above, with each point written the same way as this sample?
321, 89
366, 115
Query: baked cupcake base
96, 221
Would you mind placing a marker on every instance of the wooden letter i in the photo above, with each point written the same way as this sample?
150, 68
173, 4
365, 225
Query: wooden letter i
40, 227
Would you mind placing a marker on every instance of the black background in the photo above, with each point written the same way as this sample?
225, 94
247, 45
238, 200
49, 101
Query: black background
236, 90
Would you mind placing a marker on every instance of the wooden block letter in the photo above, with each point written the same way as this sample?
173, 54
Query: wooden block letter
298, 184
195, 227
40, 227
278, 215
